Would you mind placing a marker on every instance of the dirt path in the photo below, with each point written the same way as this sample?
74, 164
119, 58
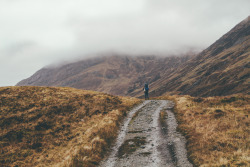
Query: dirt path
148, 138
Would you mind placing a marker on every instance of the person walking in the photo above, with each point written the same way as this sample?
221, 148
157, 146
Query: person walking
146, 89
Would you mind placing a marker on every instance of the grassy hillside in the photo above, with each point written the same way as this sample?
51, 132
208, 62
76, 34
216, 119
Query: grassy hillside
44, 126
221, 69
216, 128
119, 75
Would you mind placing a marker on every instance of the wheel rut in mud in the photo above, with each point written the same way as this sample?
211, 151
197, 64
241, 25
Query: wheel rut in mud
148, 137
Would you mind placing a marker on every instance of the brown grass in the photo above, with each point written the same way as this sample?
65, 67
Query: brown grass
48, 126
217, 129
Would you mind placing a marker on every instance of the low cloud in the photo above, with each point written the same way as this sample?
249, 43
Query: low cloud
37, 33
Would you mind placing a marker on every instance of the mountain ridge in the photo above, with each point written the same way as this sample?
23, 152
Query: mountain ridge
221, 69
119, 75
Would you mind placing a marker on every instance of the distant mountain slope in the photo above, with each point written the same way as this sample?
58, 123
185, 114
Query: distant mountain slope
221, 69
120, 75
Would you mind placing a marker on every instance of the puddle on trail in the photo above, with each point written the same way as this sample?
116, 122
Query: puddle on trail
145, 154
136, 131
162, 119
130, 146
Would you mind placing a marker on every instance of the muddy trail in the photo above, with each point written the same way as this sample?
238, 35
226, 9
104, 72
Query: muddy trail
148, 138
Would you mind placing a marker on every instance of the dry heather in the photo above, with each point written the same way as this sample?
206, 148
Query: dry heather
216, 128
48, 126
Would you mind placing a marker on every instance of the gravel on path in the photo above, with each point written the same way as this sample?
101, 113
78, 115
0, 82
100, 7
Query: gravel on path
148, 138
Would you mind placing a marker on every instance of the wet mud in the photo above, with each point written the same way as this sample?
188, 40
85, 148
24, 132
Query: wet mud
148, 138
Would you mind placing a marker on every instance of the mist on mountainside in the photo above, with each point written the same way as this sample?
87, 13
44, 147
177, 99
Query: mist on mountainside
221, 69
88, 57
34, 34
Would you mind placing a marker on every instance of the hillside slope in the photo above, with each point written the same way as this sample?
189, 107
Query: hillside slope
216, 128
221, 69
46, 126
120, 75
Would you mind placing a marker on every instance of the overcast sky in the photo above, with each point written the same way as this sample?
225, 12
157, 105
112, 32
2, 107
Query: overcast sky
36, 33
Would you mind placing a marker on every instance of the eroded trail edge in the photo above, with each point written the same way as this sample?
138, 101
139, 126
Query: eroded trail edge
148, 137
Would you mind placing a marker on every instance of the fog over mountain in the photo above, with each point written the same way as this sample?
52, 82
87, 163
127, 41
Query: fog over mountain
221, 69
38, 33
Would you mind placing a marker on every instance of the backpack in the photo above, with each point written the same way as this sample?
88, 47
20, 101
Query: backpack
146, 87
